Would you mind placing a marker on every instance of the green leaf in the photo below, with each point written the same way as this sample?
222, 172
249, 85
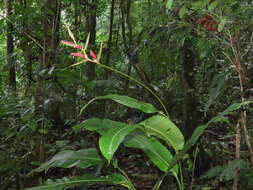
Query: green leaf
169, 4
87, 42
157, 152
195, 136
199, 5
224, 172
111, 139
65, 183
66, 159
200, 130
230, 169
182, 11
222, 24
159, 182
98, 125
100, 51
214, 5
71, 34
216, 87
163, 128
213, 172
130, 102
230, 110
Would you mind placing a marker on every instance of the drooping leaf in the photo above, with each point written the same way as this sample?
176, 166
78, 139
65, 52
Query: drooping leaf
199, 5
182, 11
214, 4
130, 102
224, 172
156, 152
169, 4
98, 125
65, 183
222, 24
216, 87
230, 169
200, 130
163, 128
68, 158
159, 182
195, 136
111, 139
213, 172
230, 109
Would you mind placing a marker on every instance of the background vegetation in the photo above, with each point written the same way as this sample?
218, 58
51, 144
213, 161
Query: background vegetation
195, 55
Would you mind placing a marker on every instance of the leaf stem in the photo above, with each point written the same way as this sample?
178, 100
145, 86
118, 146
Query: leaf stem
137, 82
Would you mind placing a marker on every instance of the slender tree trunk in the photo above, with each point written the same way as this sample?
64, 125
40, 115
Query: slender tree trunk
10, 46
130, 49
109, 43
242, 124
190, 110
92, 23
50, 19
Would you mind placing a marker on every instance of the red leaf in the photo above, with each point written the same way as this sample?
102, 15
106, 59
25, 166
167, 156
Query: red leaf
93, 55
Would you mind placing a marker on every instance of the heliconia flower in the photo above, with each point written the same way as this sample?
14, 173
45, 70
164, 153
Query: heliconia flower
78, 47
68, 43
78, 55
93, 55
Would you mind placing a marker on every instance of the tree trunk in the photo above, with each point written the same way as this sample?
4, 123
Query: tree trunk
109, 43
91, 24
10, 46
50, 19
190, 110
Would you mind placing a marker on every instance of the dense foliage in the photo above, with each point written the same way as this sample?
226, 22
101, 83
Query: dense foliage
126, 94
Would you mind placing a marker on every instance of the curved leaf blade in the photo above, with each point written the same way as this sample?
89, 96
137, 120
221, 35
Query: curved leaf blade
98, 125
163, 128
200, 130
65, 183
130, 102
169, 4
111, 139
157, 152
68, 158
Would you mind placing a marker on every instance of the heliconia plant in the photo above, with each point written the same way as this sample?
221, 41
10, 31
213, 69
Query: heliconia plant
157, 136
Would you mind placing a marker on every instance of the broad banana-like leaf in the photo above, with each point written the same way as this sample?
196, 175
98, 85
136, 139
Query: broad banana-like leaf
157, 152
68, 158
65, 183
98, 125
129, 102
111, 139
163, 128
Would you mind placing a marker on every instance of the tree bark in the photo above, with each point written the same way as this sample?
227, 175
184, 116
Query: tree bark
91, 24
190, 110
130, 49
50, 22
10, 46
109, 43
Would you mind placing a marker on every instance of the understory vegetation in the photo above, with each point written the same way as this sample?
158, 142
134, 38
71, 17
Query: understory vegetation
126, 94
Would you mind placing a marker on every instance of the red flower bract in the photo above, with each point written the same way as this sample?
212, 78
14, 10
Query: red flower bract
93, 55
78, 47
68, 43
78, 55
